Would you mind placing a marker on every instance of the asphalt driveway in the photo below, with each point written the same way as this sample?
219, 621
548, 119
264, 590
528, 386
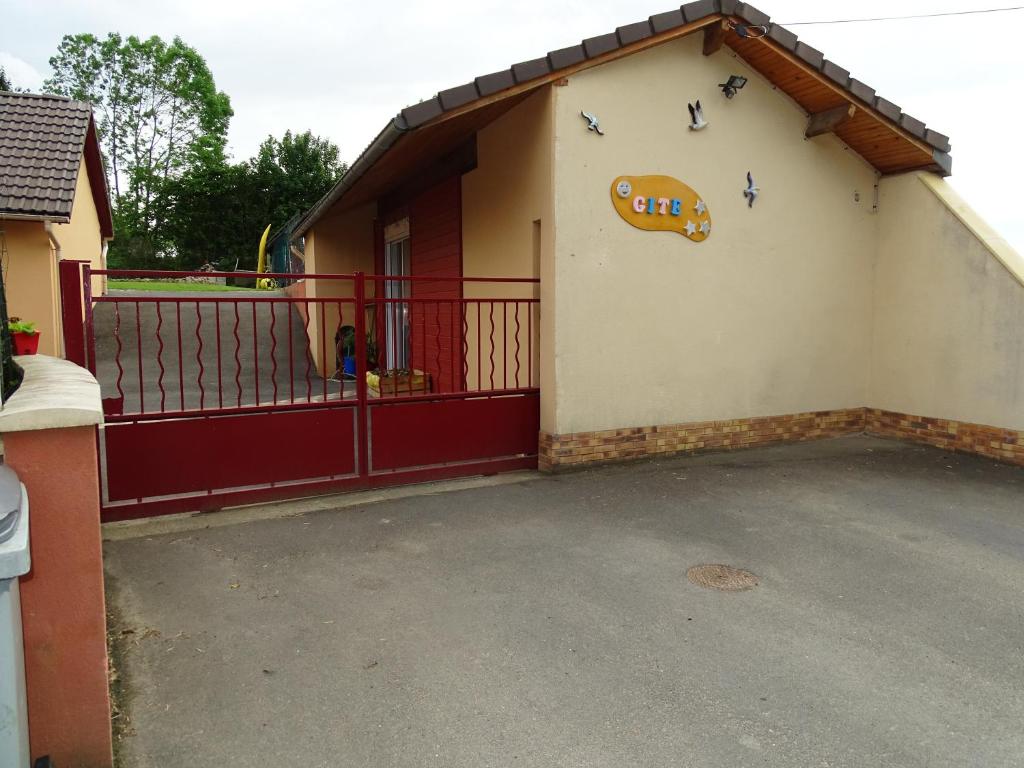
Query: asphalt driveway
551, 622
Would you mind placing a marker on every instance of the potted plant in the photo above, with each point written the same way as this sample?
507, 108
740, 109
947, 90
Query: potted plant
25, 336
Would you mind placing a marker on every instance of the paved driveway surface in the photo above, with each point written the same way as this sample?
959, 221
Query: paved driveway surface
551, 623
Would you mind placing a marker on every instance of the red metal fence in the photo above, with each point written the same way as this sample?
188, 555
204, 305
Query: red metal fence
218, 398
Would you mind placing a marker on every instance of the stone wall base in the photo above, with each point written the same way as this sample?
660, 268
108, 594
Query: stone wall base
559, 452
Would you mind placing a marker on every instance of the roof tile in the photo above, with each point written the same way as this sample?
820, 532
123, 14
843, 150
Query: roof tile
494, 82
782, 36
418, 114
595, 46
663, 22
810, 55
938, 140
752, 15
862, 91
913, 125
457, 96
696, 11
887, 108
528, 70
835, 73
566, 57
631, 33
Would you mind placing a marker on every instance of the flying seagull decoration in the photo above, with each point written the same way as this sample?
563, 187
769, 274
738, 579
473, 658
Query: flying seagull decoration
592, 123
697, 121
751, 191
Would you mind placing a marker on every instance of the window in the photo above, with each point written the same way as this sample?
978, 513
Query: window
396, 313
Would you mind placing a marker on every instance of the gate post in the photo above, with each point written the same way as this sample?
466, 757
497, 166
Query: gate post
72, 310
361, 368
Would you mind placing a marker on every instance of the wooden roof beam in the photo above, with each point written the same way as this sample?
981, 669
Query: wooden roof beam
714, 37
829, 120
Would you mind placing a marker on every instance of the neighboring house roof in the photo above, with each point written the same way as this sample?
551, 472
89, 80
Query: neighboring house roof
42, 141
891, 140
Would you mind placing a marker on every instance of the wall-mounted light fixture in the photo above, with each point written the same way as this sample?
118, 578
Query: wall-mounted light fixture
733, 84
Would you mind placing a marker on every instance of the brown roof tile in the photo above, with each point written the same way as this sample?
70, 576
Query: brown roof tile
41, 143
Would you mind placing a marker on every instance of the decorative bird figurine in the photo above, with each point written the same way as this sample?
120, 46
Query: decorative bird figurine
592, 123
751, 191
697, 121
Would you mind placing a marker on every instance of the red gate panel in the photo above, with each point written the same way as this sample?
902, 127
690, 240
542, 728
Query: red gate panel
185, 456
423, 434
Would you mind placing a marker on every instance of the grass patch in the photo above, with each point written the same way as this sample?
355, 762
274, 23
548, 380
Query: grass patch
170, 286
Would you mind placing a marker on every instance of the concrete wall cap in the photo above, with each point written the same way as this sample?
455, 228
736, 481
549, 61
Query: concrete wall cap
55, 394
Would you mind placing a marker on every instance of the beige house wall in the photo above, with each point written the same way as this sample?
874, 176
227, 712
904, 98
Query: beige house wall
507, 231
340, 243
30, 280
949, 309
81, 238
770, 315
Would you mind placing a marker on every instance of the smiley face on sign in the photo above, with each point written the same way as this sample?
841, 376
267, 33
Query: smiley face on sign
661, 203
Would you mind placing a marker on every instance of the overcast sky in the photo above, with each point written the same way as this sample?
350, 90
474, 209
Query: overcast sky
343, 68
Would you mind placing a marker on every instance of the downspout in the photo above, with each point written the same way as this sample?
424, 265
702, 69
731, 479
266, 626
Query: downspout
55, 247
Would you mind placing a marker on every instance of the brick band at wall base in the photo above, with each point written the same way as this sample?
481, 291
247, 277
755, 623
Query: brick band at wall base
992, 442
559, 452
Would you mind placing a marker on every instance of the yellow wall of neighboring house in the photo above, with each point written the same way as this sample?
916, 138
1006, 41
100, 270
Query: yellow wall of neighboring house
770, 315
949, 309
31, 276
81, 238
30, 279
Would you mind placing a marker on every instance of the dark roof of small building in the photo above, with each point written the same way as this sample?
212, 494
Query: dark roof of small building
888, 138
42, 140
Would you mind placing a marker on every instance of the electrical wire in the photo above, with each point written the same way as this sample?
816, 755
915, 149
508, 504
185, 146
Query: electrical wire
902, 18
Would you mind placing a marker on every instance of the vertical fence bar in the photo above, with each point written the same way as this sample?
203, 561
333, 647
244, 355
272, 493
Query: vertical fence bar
518, 327
138, 351
273, 348
181, 357
479, 331
238, 358
220, 384
492, 343
255, 355
362, 417
160, 355
291, 354
437, 349
117, 355
199, 356
323, 346
339, 352
309, 356
529, 346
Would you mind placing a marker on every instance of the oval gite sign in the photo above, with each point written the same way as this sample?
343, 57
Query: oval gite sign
661, 203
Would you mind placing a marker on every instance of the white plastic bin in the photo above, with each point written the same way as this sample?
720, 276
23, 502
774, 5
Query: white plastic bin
14, 562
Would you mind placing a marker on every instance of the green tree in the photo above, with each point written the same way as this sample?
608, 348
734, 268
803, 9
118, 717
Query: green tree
295, 171
218, 211
5, 82
159, 116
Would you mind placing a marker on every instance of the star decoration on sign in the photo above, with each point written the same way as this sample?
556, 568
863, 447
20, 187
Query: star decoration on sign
700, 208
705, 227
690, 228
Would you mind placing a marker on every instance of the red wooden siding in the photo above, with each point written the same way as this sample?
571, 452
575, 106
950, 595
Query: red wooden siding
435, 229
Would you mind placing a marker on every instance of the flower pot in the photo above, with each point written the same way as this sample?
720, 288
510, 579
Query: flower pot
25, 343
348, 366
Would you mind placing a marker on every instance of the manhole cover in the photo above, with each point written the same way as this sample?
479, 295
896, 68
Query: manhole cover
722, 577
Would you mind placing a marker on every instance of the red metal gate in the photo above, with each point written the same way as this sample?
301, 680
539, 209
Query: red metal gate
222, 398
